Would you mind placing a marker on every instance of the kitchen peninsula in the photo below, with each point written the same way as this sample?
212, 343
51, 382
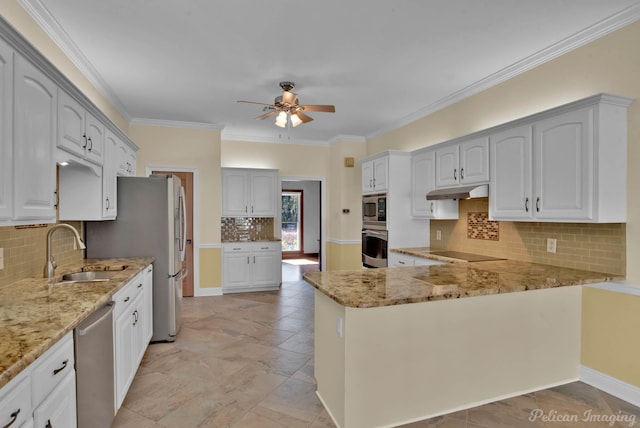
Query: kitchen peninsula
397, 345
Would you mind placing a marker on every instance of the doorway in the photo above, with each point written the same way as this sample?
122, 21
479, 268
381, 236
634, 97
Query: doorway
187, 182
302, 219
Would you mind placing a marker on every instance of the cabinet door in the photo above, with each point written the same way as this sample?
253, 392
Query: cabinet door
139, 345
34, 134
123, 349
72, 136
95, 140
474, 161
563, 153
447, 173
237, 270
265, 268
367, 176
510, 187
59, 408
109, 176
381, 174
6, 125
235, 186
423, 176
263, 194
147, 322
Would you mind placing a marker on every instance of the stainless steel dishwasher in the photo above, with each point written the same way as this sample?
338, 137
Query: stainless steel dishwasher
93, 341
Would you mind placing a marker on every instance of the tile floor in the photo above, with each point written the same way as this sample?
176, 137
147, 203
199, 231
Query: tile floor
246, 360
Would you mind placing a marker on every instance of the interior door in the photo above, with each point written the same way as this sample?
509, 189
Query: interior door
187, 184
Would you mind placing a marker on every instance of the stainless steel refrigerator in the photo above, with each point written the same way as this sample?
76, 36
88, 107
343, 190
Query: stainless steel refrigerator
150, 222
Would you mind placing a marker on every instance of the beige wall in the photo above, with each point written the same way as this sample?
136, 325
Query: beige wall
343, 185
190, 148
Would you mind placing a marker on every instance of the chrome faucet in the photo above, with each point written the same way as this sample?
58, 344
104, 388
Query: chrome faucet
50, 267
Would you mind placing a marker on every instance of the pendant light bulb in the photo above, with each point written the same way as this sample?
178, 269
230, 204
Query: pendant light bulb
281, 119
295, 120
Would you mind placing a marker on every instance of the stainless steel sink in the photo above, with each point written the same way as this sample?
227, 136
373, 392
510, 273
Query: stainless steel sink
91, 276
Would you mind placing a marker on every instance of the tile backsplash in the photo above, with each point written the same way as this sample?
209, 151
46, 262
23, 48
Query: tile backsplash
595, 247
246, 228
25, 250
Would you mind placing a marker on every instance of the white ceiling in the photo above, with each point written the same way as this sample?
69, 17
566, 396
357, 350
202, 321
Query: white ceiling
382, 63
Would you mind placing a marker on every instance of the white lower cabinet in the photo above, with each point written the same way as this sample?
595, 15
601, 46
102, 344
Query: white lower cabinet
133, 325
43, 394
251, 266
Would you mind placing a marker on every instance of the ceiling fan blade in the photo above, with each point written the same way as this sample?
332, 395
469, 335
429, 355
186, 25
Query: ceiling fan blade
303, 117
266, 115
253, 102
324, 108
289, 97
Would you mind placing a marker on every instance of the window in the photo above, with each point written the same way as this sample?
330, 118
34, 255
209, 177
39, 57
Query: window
292, 221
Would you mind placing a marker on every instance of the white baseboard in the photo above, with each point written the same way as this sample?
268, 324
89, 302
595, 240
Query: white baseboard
211, 291
609, 384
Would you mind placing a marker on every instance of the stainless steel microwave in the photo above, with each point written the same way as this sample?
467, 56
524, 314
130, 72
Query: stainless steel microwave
374, 211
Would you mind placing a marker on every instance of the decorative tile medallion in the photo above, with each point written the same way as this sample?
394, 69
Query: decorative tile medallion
480, 227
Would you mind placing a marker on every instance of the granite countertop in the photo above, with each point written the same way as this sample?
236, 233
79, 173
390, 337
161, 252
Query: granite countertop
395, 286
34, 315
248, 241
432, 253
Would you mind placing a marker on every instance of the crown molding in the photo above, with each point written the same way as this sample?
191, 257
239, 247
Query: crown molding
176, 124
581, 38
38, 11
229, 136
347, 139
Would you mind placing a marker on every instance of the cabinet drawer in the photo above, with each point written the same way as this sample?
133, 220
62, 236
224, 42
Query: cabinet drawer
51, 368
266, 246
236, 247
124, 297
59, 408
15, 402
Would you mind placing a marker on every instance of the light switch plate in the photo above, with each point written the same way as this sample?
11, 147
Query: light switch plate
1, 258
551, 245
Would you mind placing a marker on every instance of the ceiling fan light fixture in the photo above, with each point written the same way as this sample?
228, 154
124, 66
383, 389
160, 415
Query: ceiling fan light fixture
295, 120
281, 119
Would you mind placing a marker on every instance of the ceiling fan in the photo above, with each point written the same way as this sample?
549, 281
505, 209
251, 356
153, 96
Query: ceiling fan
287, 108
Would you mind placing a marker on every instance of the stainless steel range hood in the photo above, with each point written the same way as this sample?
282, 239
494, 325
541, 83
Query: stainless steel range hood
464, 192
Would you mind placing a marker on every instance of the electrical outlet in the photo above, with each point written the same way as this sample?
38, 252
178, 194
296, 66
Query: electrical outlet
551, 245
339, 326
1, 258
438, 235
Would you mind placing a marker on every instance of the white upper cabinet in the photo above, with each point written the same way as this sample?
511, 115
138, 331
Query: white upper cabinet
109, 175
126, 160
564, 165
35, 108
423, 176
249, 192
375, 175
6, 126
463, 163
79, 133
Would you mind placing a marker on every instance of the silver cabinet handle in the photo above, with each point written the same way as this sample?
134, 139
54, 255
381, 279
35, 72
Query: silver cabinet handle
461, 173
247, 259
86, 142
91, 145
538, 204
108, 203
126, 299
14, 417
526, 204
400, 262
455, 173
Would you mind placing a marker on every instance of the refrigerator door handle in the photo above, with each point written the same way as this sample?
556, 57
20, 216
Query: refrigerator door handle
180, 275
183, 220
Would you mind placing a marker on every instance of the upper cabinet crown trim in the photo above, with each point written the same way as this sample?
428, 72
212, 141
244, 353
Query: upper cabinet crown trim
23, 47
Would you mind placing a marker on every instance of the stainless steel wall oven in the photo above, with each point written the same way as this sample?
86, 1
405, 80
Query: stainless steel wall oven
374, 248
